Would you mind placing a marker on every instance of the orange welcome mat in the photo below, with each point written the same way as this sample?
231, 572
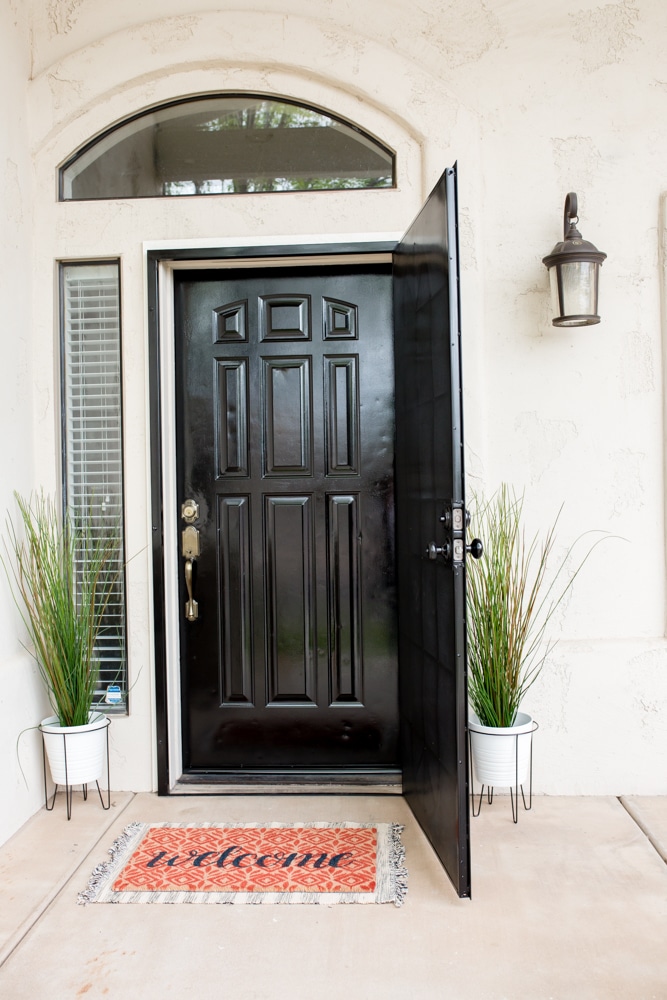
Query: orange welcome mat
253, 863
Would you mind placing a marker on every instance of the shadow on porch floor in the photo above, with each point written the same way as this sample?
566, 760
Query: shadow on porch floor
570, 903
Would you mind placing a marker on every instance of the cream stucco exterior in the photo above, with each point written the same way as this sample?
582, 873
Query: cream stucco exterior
532, 100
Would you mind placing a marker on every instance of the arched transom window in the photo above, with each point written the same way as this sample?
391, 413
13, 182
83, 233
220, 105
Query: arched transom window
226, 144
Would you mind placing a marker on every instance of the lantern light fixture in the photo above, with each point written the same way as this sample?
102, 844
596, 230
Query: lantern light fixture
574, 272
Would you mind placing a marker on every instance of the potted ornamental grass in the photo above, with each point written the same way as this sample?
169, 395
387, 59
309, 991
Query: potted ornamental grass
62, 570
513, 592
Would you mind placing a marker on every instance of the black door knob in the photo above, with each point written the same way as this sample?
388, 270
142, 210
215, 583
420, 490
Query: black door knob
476, 548
433, 551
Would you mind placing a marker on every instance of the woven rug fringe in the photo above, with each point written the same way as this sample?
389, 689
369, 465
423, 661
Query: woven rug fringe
397, 863
118, 851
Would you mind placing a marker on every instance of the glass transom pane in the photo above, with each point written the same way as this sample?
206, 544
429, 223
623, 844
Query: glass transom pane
226, 145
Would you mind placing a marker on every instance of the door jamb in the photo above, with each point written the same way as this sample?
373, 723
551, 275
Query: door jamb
161, 263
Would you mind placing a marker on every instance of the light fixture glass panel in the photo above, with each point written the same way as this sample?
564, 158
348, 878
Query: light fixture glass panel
578, 288
574, 290
556, 304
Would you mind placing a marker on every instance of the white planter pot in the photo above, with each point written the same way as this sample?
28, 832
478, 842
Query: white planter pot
501, 756
76, 754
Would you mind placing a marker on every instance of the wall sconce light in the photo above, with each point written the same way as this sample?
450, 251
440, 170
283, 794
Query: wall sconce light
574, 272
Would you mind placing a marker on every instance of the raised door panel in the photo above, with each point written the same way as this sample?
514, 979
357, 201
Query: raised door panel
290, 600
339, 319
344, 598
234, 600
284, 317
230, 323
288, 444
231, 411
341, 396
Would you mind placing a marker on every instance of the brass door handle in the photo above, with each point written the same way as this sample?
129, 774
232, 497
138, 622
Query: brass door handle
191, 606
190, 550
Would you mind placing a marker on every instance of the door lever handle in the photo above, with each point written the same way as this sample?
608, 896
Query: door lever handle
190, 549
191, 606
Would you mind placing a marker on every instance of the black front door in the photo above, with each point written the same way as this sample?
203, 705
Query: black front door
285, 443
430, 515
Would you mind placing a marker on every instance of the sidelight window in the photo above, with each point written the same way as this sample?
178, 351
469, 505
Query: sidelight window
226, 144
92, 434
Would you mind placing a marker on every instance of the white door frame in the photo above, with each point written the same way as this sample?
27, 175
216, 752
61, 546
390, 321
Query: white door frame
167, 416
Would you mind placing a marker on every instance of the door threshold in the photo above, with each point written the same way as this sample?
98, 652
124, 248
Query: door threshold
362, 782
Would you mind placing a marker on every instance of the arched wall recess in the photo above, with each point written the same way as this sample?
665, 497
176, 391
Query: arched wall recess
226, 144
95, 112
386, 93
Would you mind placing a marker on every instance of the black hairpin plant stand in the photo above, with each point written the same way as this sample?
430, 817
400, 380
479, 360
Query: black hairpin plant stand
514, 791
68, 787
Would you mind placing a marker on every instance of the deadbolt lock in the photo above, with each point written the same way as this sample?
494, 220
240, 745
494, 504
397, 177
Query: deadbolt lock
189, 511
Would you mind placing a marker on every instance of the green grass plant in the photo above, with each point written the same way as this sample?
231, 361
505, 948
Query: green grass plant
62, 572
511, 600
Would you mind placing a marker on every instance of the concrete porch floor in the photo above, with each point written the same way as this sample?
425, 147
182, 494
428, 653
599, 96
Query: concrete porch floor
570, 903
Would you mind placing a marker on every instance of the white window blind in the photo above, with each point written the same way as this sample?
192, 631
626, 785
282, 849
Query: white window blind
93, 433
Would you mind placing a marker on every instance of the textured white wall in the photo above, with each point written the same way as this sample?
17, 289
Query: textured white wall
533, 100
22, 701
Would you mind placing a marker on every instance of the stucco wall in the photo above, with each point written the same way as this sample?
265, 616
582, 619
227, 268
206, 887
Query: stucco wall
22, 701
533, 100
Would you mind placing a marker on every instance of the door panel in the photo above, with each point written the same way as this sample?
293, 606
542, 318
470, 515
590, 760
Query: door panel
288, 403
344, 599
290, 600
232, 417
234, 597
341, 390
285, 432
429, 482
